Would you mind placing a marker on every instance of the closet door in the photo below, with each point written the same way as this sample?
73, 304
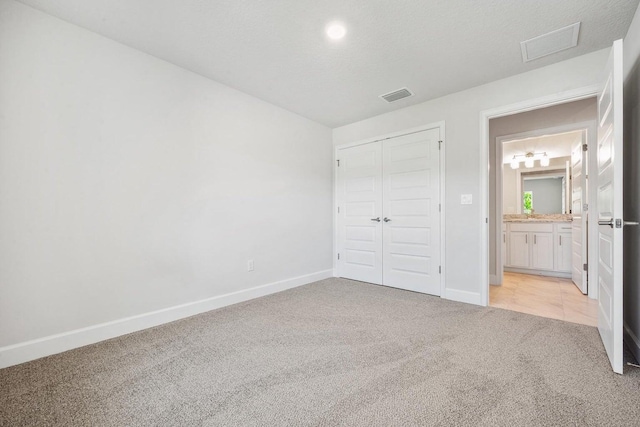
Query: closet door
411, 222
360, 213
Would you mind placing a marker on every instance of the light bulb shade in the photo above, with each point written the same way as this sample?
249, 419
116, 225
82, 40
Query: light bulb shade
528, 162
515, 164
544, 161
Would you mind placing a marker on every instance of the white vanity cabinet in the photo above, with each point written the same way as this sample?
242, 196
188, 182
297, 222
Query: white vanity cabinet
538, 248
542, 251
519, 253
563, 247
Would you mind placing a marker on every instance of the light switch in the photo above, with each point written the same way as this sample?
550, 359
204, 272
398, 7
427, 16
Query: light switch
466, 199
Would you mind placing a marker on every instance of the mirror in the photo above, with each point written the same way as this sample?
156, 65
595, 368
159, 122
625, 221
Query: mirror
544, 192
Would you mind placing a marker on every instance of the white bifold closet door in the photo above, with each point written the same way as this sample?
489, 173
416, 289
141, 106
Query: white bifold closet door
360, 212
411, 197
397, 182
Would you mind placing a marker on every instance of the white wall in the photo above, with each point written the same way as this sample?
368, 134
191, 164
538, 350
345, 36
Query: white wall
510, 196
632, 185
461, 111
129, 185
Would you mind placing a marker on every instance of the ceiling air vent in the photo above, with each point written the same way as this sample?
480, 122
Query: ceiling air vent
396, 95
549, 43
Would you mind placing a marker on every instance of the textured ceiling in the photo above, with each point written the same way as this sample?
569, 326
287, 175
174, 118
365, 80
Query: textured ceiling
558, 145
276, 50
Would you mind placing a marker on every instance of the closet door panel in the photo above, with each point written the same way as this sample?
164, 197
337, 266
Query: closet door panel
359, 220
411, 197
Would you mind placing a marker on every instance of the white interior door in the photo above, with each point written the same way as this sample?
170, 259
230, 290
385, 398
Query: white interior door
610, 208
411, 194
360, 210
579, 223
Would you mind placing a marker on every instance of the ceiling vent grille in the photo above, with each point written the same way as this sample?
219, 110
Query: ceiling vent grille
549, 43
397, 95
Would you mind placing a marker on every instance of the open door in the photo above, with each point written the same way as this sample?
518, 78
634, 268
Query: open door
579, 223
610, 220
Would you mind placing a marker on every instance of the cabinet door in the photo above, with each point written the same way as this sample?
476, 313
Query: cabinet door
563, 252
519, 249
542, 251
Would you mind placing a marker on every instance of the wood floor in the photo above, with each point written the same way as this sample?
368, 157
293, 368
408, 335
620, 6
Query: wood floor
544, 296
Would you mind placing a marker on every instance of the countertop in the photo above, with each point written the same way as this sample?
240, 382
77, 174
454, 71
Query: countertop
537, 218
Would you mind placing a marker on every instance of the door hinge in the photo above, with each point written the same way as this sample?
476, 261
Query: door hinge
338, 209
585, 207
338, 255
585, 267
439, 269
439, 207
585, 147
338, 162
439, 145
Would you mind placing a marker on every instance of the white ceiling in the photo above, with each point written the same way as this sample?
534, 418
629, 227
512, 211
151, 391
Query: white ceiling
276, 50
558, 145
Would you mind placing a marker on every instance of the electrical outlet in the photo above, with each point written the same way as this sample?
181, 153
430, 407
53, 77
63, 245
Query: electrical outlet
466, 199
250, 265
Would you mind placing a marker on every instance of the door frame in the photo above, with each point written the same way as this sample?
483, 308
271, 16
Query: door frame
439, 125
485, 165
590, 128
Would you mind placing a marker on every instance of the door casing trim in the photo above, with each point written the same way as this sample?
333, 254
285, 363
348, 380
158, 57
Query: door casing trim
507, 110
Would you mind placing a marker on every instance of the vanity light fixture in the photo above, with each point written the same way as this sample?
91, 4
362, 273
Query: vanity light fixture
544, 160
529, 160
515, 164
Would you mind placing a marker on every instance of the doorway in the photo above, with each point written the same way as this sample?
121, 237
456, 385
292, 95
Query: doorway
539, 212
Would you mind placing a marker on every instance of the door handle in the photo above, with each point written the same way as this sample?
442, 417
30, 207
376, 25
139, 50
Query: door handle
606, 222
386, 219
619, 223
376, 219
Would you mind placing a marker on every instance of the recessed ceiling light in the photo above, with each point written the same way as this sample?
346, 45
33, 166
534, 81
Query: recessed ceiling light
336, 30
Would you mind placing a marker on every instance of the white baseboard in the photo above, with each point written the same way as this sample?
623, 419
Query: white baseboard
463, 296
632, 341
539, 272
493, 279
41, 347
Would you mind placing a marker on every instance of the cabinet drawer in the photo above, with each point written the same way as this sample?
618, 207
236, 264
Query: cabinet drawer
564, 227
535, 228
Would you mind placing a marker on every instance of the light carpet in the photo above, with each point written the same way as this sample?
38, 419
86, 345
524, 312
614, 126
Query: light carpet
335, 352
